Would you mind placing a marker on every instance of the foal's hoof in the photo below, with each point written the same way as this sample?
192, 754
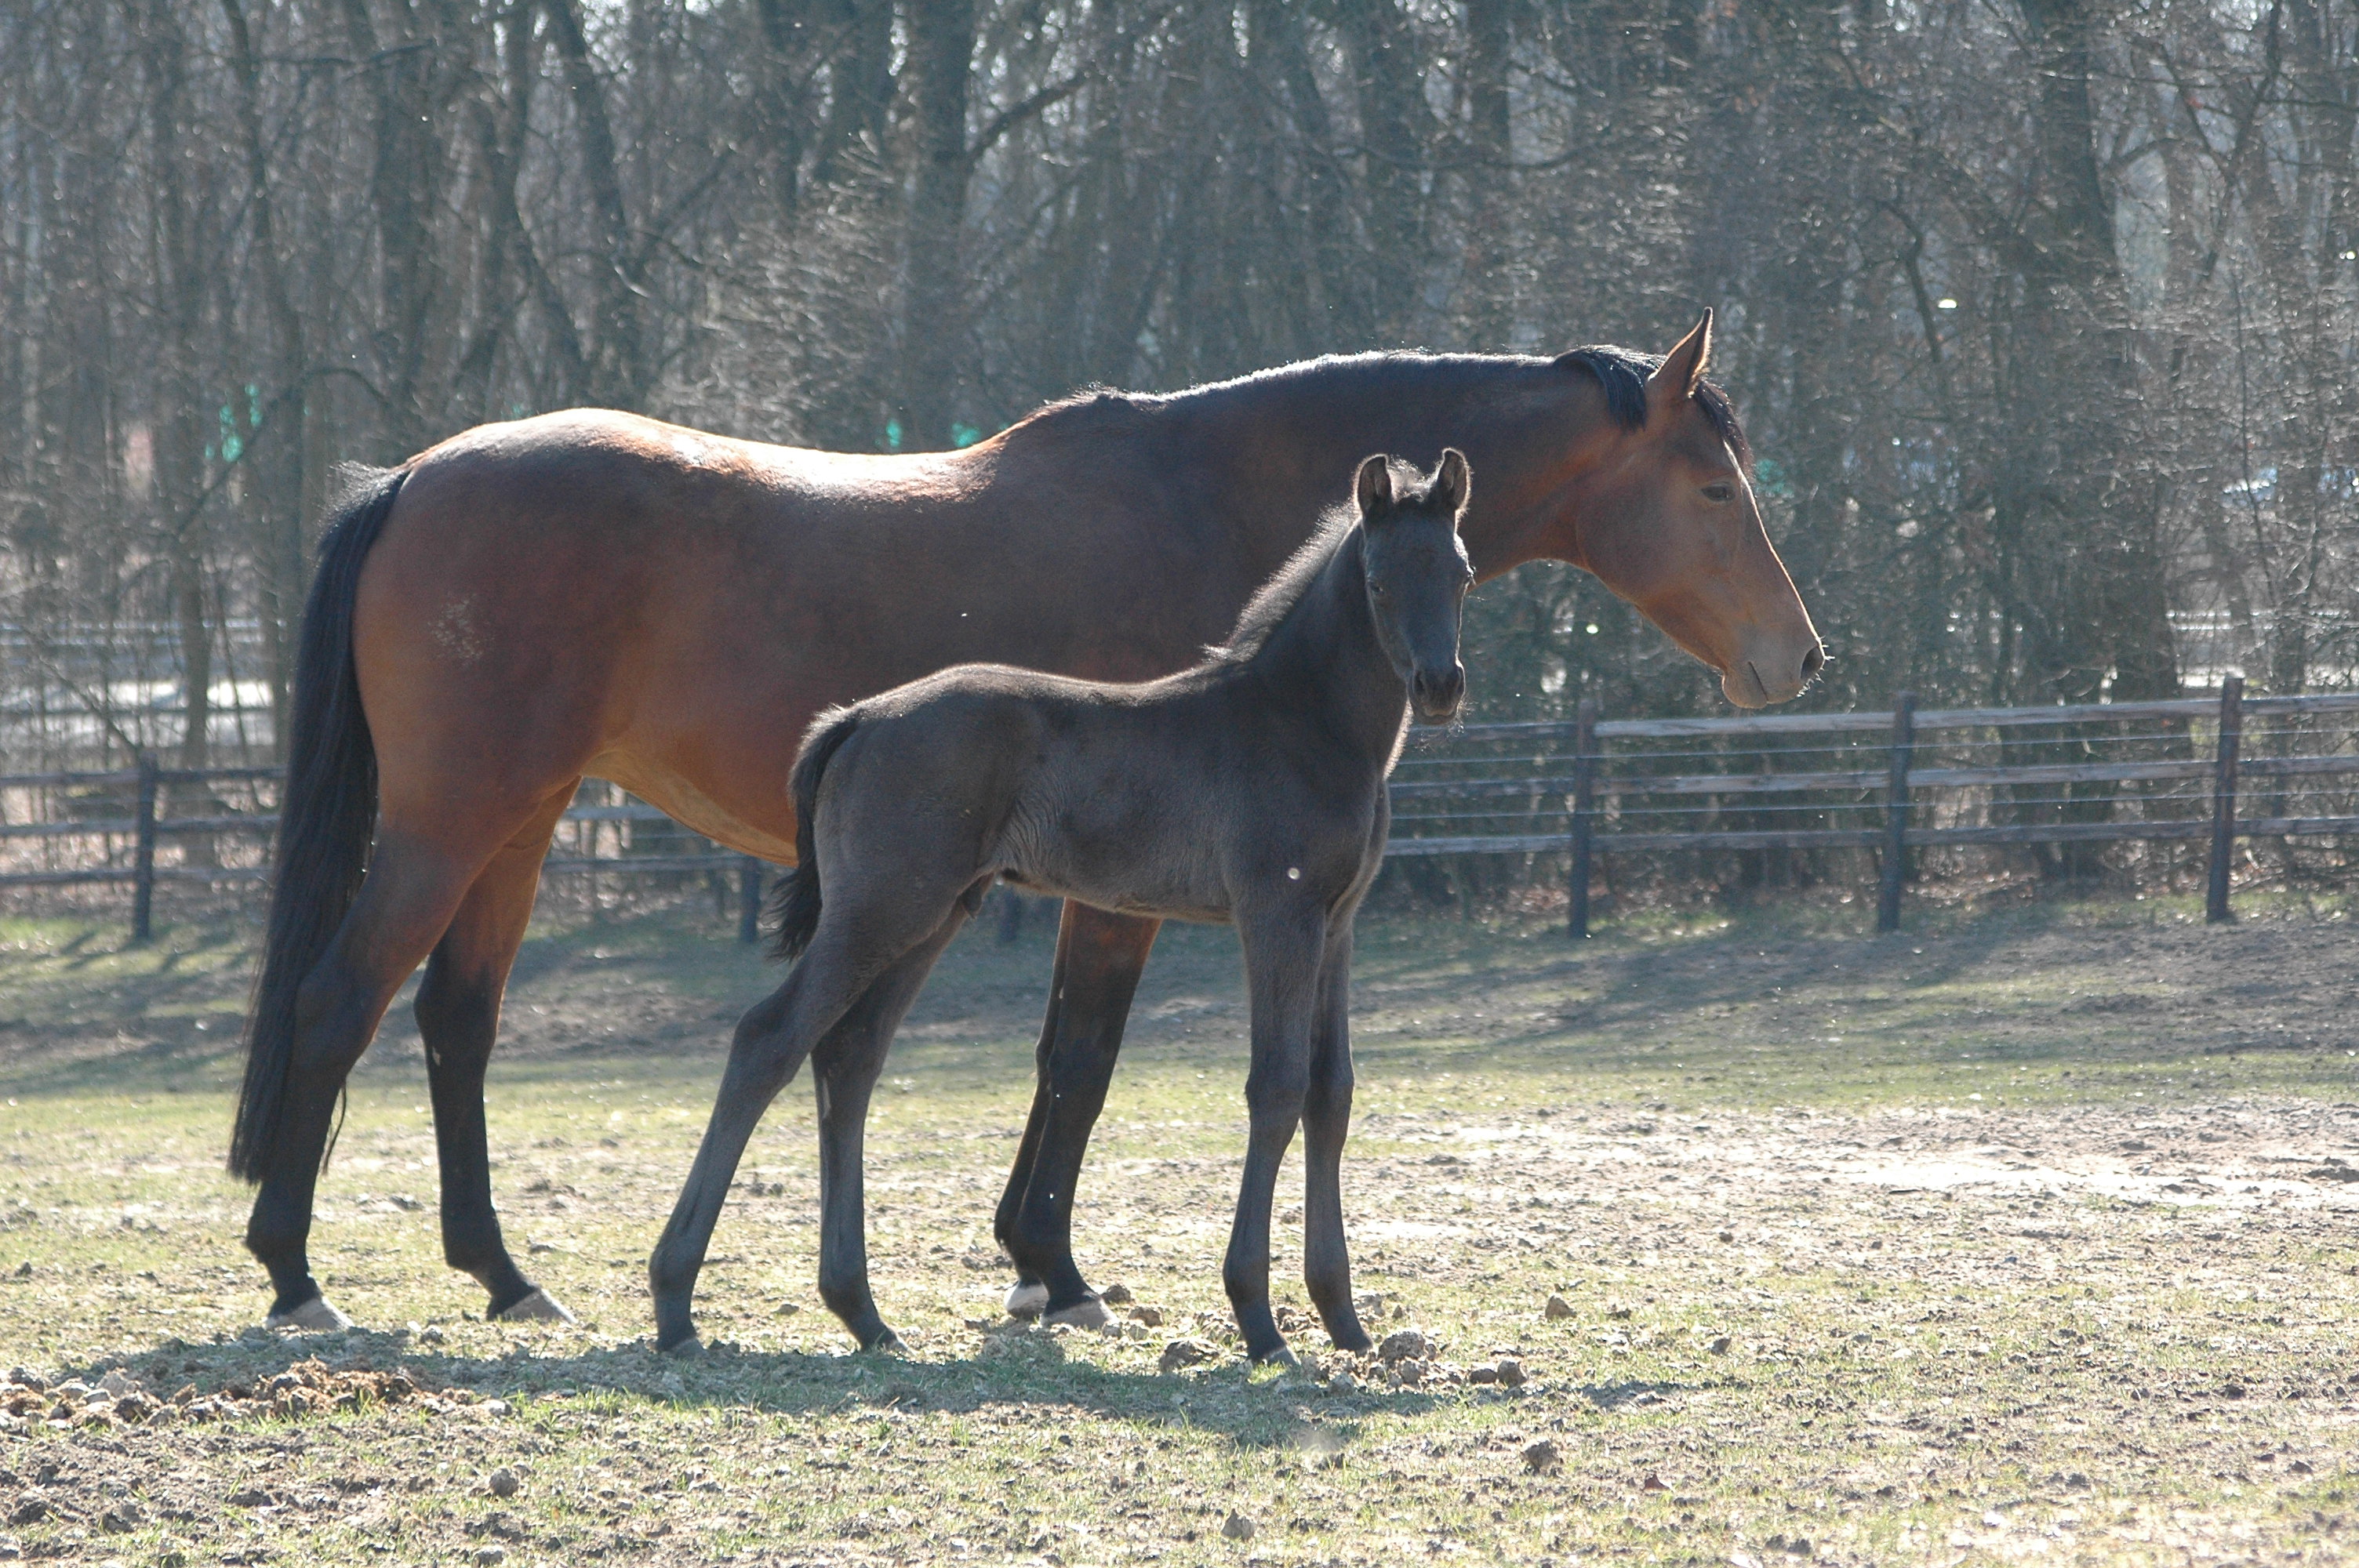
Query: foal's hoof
887, 1343
537, 1307
1027, 1300
1281, 1356
687, 1349
1087, 1313
314, 1316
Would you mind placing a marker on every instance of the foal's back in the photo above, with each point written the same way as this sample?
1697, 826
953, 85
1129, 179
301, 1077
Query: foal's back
1158, 798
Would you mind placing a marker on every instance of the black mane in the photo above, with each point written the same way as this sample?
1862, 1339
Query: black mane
1274, 600
1620, 373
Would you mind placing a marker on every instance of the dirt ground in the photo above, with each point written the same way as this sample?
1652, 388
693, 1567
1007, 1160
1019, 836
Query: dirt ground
2024, 1235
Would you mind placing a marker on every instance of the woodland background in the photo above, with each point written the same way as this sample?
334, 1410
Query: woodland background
2041, 313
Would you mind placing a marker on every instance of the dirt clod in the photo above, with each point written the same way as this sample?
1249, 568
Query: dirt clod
1558, 1309
1509, 1372
1238, 1527
1543, 1458
1184, 1353
1115, 1295
503, 1481
1404, 1345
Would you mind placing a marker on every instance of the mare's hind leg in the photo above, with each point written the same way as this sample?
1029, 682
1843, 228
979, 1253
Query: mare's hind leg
1099, 958
406, 901
1326, 1120
845, 1069
458, 1018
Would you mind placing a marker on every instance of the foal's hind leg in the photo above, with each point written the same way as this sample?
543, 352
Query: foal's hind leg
843, 1072
1326, 1119
1099, 957
834, 978
407, 899
458, 1018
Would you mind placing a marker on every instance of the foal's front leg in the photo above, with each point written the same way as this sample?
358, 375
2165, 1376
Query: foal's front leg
1326, 1120
1284, 949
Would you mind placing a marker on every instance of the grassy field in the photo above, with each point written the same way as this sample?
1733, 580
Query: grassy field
2022, 1235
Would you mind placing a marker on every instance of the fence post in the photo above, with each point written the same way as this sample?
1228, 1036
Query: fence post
1584, 790
2223, 797
1896, 812
143, 855
749, 900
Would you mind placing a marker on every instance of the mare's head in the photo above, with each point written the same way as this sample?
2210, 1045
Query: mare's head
1417, 574
1659, 506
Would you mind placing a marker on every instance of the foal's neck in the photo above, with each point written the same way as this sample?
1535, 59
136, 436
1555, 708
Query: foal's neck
1324, 657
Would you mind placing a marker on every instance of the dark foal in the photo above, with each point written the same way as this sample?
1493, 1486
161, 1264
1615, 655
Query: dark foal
1250, 788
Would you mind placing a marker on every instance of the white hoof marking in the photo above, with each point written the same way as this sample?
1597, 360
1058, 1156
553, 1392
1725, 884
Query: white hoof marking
314, 1316
537, 1307
1089, 1312
1026, 1301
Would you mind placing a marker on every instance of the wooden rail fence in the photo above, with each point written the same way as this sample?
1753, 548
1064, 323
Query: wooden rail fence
1592, 787
1587, 789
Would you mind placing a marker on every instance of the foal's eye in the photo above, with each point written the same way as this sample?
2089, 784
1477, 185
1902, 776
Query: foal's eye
1720, 492
1380, 590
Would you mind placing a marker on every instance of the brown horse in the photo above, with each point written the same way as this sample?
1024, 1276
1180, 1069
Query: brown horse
598, 594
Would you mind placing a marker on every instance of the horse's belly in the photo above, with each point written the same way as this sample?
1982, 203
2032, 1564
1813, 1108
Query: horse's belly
678, 798
1170, 882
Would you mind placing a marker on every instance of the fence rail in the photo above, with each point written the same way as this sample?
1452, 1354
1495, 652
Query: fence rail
1595, 780
145, 826
1587, 789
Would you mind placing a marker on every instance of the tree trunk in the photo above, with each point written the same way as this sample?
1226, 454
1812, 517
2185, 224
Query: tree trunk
942, 45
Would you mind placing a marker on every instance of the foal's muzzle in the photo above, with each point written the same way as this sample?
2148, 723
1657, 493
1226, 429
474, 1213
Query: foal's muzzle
1438, 695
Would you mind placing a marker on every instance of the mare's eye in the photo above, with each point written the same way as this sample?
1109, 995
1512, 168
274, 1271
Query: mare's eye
1720, 492
1380, 590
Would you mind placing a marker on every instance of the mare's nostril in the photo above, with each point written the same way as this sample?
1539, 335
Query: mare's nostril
1814, 661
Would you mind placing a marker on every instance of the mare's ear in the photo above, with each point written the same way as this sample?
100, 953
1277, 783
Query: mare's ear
1453, 483
1675, 382
1372, 486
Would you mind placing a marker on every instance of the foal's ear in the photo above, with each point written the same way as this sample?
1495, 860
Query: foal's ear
1453, 483
1372, 486
1675, 381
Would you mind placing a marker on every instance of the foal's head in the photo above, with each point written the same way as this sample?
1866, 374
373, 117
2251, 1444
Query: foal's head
1418, 575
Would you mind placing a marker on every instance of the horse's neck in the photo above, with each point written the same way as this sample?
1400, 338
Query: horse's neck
1285, 450
1324, 657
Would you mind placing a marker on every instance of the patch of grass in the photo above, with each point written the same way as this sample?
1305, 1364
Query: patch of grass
1953, 1327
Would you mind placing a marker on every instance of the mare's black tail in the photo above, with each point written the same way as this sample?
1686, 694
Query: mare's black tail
327, 812
795, 906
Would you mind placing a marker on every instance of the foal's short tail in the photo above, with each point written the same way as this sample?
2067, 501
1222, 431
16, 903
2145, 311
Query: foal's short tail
327, 812
795, 906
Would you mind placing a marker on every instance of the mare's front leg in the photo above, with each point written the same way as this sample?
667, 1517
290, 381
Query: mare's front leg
1326, 1120
1284, 952
1100, 957
845, 1070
